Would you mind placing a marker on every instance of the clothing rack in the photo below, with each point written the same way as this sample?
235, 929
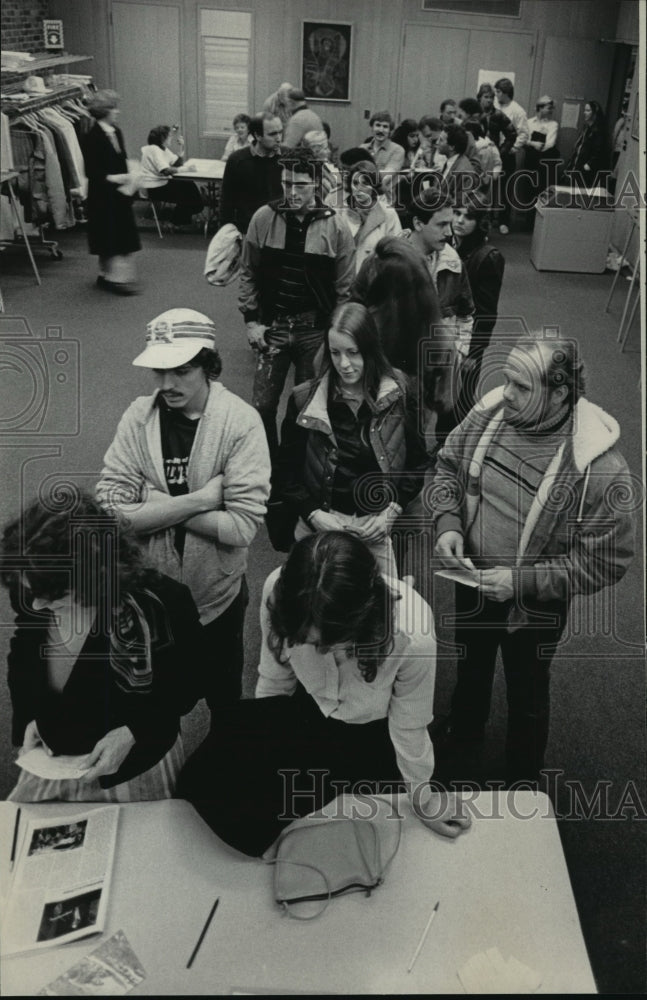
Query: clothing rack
15, 110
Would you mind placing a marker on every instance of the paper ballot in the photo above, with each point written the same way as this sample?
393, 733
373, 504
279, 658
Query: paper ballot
38, 762
468, 576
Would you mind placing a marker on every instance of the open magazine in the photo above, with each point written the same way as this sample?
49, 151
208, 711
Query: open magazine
61, 879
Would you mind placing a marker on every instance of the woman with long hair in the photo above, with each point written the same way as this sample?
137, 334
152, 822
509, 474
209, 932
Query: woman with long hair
407, 136
351, 457
278, 103
590, 155
396, 287
485, 266
345, 689
159, 165
104, 655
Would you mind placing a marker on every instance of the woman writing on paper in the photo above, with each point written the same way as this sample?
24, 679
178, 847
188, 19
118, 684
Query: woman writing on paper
351, 457
159, 165
102, 658
345, 689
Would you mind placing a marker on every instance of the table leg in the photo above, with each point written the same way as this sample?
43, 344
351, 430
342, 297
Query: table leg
617, 274
630, 321
211, 189
634, 275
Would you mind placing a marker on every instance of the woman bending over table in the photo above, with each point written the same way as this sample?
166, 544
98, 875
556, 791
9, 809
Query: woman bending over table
103, 655
345, 689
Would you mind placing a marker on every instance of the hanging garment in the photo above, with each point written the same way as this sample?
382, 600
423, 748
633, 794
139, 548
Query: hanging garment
68, 148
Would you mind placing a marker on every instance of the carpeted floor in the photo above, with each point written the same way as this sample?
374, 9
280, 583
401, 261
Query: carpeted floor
597, 743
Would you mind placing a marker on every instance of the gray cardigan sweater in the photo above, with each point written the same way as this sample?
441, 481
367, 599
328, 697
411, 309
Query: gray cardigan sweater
231, 441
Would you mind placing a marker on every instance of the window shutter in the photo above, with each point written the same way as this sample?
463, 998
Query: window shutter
226, 81
226, 63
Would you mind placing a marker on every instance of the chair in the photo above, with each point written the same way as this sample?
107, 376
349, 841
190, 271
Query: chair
143, 196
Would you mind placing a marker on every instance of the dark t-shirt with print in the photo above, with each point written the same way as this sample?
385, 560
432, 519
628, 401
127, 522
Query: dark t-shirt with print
178, 434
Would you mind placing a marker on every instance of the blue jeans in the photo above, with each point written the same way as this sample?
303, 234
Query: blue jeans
286, 344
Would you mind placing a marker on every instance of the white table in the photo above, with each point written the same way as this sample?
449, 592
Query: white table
209, 172
504, 884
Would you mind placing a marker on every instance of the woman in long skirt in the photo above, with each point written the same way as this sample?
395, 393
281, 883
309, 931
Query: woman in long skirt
112, 233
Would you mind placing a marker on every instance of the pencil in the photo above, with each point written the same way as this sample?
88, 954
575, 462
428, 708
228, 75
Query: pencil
15, 839
423, 936
202, 934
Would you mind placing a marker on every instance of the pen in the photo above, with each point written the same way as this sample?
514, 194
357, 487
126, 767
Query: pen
423, 936
15, 839
202, 934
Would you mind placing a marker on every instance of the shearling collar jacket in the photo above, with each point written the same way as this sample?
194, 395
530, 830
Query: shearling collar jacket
308, 455
579, 533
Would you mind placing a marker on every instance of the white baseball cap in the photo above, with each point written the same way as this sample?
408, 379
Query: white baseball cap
174, 337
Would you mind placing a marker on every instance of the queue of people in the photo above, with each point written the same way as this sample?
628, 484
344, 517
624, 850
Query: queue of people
387, 328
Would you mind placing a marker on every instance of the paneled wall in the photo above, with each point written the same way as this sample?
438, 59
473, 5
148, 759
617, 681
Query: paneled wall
627, 26
377, 57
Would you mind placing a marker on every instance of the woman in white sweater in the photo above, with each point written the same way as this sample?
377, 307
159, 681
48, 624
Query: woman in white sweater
241, 137
159, 163
346, 685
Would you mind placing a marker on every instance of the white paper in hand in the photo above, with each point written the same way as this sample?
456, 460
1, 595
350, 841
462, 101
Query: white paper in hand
468, 576
38, 762
135, 179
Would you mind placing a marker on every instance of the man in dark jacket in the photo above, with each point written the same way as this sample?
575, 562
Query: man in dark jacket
496, 124
460, 174
252, 175
525, 499
296, 267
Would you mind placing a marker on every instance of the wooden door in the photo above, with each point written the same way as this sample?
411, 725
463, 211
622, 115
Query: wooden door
146, 59
445, 62
434, 63
503, 51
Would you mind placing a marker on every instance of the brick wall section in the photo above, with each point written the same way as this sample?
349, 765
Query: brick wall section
22, 25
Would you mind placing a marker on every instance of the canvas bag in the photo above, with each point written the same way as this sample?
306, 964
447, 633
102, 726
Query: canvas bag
316, 859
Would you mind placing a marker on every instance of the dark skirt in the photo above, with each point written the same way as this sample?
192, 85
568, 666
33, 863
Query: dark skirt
112, 230
268, 761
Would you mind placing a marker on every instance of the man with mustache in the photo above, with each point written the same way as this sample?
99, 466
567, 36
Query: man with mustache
190, 469
530, 501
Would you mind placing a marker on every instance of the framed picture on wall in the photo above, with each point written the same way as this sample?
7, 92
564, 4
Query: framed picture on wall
326, 49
